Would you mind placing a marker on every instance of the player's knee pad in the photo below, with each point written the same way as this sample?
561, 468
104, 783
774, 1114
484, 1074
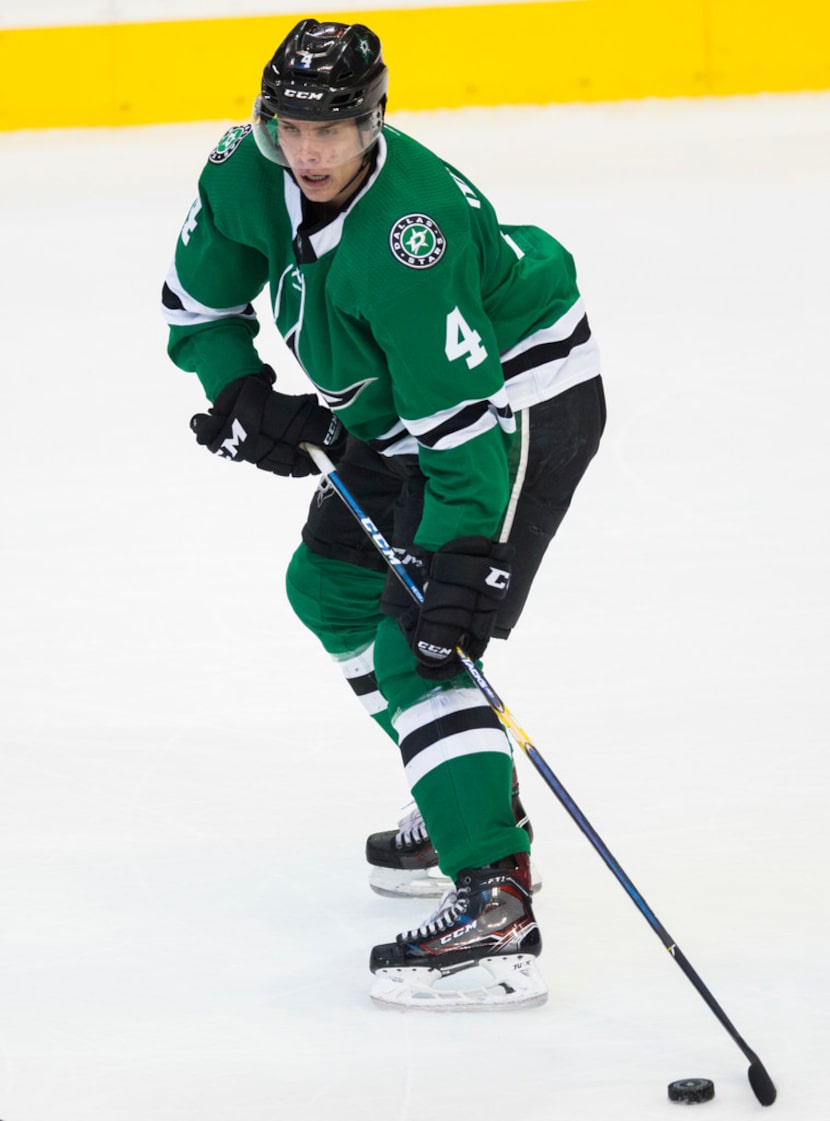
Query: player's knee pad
335, 600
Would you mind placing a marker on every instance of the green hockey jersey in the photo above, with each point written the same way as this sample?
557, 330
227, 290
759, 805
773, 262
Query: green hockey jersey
424, 324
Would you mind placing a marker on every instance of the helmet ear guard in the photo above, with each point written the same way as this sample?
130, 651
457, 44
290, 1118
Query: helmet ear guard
322, 72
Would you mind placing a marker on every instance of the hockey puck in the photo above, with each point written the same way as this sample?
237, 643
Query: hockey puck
691, 1090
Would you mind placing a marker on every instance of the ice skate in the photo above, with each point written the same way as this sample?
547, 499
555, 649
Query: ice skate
404, 863
477, 952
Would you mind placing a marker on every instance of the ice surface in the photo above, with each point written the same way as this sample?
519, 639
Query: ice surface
185, 784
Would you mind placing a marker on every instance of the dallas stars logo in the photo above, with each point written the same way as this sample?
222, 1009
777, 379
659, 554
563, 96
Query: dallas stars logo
417, 241
229, 143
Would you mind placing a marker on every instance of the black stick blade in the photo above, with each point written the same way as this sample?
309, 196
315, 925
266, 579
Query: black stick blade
761, 1083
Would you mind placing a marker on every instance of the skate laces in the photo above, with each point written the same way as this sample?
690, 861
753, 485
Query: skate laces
452, 906
411, 829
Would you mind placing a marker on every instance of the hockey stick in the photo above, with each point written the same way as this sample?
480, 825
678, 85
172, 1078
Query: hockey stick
759, 1079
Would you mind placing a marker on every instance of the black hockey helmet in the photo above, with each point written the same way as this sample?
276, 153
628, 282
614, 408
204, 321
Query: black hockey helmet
322, 72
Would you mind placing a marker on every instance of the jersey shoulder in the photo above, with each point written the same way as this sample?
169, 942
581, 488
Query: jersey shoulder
416, 220
417, 178
243, 190
235, 165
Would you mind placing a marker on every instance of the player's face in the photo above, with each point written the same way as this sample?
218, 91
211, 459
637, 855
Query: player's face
325, 156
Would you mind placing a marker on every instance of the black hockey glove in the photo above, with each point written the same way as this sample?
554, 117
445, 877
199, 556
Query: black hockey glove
467, 580
250, 421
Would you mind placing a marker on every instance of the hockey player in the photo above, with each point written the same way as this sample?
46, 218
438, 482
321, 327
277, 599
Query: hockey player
462, 403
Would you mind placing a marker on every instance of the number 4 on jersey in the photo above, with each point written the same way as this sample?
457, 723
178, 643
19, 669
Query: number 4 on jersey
191, 220
463, 341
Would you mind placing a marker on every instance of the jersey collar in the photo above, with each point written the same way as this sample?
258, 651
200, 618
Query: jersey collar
310, 246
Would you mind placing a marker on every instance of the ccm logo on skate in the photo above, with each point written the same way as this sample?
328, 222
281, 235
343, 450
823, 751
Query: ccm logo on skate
458, 933
230, 448
498, 578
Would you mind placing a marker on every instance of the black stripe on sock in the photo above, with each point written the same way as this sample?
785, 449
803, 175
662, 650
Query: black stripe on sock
363, 685
468, 720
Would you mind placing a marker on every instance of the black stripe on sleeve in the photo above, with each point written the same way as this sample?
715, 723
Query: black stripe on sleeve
547, 352
170, 300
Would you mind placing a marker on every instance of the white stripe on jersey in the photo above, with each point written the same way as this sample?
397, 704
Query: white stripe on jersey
549, 379
449, 429
192, 312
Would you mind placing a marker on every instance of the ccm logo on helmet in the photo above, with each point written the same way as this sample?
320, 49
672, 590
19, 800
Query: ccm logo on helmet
304, 95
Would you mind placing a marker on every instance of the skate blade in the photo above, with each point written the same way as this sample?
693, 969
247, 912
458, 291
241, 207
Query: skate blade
509, 981
416, 883
421, 883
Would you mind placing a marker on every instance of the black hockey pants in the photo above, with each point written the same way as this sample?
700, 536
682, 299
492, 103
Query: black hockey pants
555, 442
